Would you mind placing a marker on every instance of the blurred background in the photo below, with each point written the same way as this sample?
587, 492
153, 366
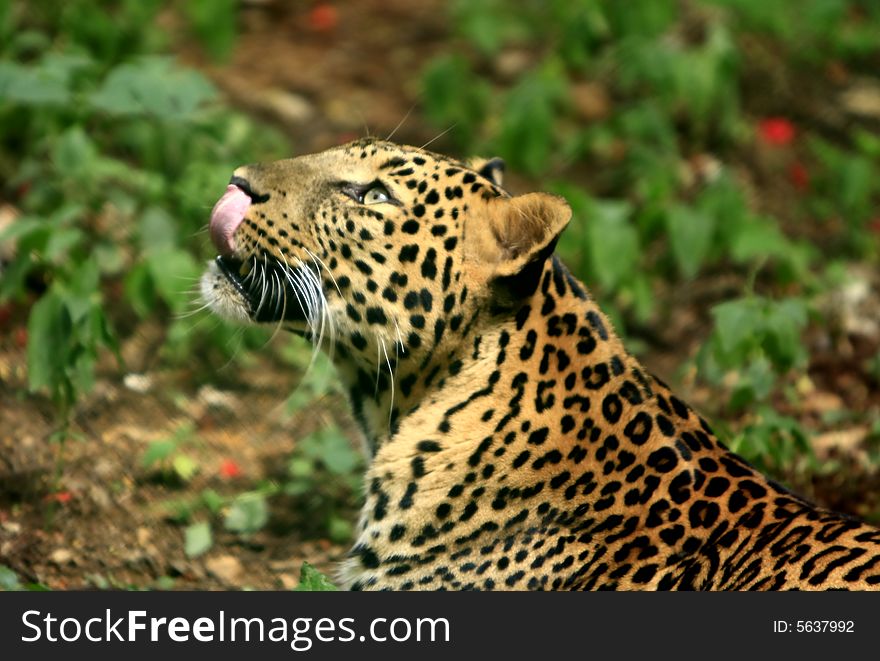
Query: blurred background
722, 158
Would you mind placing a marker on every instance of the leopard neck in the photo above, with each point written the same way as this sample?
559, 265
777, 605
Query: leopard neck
477, 354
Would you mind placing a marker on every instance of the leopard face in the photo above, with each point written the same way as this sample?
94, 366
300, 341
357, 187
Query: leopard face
384, 252
513, 441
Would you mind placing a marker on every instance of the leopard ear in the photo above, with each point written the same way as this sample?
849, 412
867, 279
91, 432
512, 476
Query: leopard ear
490, 168
517, 231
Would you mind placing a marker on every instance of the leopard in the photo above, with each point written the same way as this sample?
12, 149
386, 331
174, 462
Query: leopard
512, 442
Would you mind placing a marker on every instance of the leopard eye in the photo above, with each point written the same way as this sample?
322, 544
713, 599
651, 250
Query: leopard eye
376, 195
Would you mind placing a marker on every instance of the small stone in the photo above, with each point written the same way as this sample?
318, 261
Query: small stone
139, 383
287, 106
288, 581
210, 396
12, 527
863, 98
143, 536
844, 441
100, 497
226, 568
62, 557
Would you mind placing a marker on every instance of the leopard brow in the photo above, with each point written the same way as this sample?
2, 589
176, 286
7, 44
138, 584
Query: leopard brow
354, 189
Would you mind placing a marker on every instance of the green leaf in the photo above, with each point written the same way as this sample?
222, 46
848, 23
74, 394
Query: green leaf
613, 242
22, 227
735, 322
61, 242
49, 329
300, 467
139, 289
329, 446
31, 86
247, 514
185, 466
158, 451
784, 322
197, 539
298, 487
164, 583
526, 138
153, 86
339, 529
44, 84
74, 152
311, 580
339, 456
759, 239
172, 273
690, 233
8, 579
212, 500
157, 231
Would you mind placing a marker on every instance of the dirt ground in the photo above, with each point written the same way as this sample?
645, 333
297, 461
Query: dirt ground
106, 522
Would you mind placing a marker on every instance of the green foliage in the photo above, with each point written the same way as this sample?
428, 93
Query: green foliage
772, 441
847, 188
152, 88
454, 97
10, 582
842, 28
166, 456
197, 539
8, 579
65, 329
247, 513
114, 154
690, 237
525, 135
311, 580
757, 339
665, 90
214, 23
318, 382
324, 475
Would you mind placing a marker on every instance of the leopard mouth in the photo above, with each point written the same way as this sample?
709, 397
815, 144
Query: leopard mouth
273, 292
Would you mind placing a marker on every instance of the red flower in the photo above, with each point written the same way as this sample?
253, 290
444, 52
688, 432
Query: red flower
21, 337
799, 176
229, 469
776, 131
60, 497
323, 17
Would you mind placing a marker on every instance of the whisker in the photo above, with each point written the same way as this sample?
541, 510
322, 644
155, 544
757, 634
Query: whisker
191, 313
325, 306
315, 257
378, 366
437, 137
401, 122
236, 337
391, 379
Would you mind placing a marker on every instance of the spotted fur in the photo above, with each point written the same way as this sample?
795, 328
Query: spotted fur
513, 442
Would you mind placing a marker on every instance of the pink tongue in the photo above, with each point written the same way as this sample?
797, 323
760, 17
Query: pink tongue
226, 216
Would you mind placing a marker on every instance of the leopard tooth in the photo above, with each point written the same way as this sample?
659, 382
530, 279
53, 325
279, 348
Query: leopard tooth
245, 268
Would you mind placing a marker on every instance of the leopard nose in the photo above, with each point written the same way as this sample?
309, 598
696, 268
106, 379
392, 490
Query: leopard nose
245, 185
227, 215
